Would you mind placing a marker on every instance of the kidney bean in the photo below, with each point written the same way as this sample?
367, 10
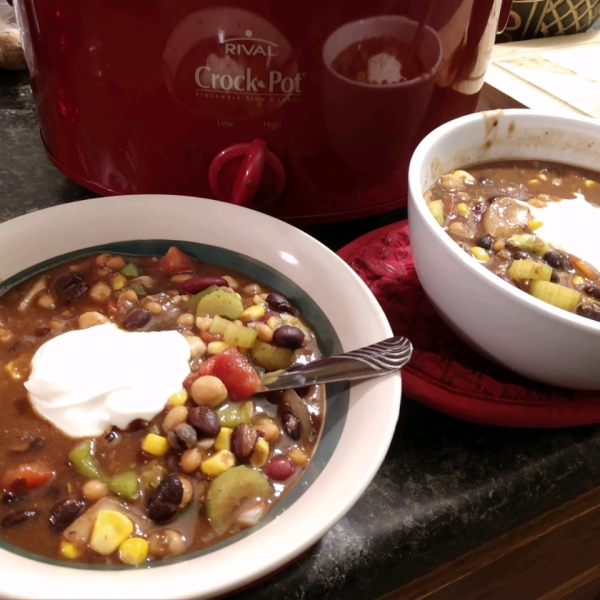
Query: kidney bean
193, 285
64, 513
205, 420
18, 517
243, 440
70, 286
136, 319
280, 304
279, 468
288, 336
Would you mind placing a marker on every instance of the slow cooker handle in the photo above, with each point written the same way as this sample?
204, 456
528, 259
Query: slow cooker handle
255, 155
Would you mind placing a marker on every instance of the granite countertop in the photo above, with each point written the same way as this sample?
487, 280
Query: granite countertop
445, 487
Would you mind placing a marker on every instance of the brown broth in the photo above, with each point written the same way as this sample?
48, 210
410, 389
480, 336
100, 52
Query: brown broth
22, 333
478, 207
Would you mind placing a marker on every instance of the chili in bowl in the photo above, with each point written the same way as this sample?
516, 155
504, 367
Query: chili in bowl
502, 208
137, 446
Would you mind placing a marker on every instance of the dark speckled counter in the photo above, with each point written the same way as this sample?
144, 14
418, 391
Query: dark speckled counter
445, 487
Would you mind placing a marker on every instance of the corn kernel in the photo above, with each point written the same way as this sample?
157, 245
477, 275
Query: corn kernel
577, 280
589, 182
155, 444
118, 282
14, 370
463, 209
543, 176
178, 398
480, 253
218, 463
260, 454
133, 551
216, 347
534, 224
533, 181
69, 550
223, 439
252, 313
111, 528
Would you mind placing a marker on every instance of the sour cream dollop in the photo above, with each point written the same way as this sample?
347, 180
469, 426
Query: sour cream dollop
571, 225
87, 380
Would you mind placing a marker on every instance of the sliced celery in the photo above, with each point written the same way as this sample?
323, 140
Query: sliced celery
555, 294
227, 490
238, 335
437, 210
218, 325
528, 268
220, 302
192, 303
528, 242
272, 358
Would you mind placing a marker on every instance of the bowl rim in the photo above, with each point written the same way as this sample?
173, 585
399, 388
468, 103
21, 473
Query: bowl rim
416, 202
341, 481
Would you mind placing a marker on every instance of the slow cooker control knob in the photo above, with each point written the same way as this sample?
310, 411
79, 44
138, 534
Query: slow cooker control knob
256, 164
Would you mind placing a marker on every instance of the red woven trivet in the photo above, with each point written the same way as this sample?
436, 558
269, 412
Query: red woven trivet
444, 373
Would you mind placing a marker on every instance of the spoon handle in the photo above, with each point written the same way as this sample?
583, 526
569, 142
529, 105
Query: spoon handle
371, 361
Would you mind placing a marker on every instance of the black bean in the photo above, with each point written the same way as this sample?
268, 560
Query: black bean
591, 289
205, 420
558, 260
280, 304
17, 517
182, 436
243, 440
64, 513
70, 286
288, 336
42, 331
589, 311
193, 285
291, 425
164, 501
485, 241
136, 319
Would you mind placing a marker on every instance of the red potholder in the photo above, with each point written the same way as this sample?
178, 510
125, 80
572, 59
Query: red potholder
444, 373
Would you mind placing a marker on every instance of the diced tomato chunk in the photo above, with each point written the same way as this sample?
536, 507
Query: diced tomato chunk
236, 373
26, 477
175, 261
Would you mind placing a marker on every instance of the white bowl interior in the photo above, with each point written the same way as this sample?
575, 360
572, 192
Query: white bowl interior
346, 302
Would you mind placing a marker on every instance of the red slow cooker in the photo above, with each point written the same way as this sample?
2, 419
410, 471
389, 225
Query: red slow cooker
307, 111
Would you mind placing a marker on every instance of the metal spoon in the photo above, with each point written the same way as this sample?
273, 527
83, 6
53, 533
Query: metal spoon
371, 361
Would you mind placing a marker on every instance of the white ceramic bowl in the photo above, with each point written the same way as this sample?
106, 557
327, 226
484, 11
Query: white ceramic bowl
526, 335
360, 418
